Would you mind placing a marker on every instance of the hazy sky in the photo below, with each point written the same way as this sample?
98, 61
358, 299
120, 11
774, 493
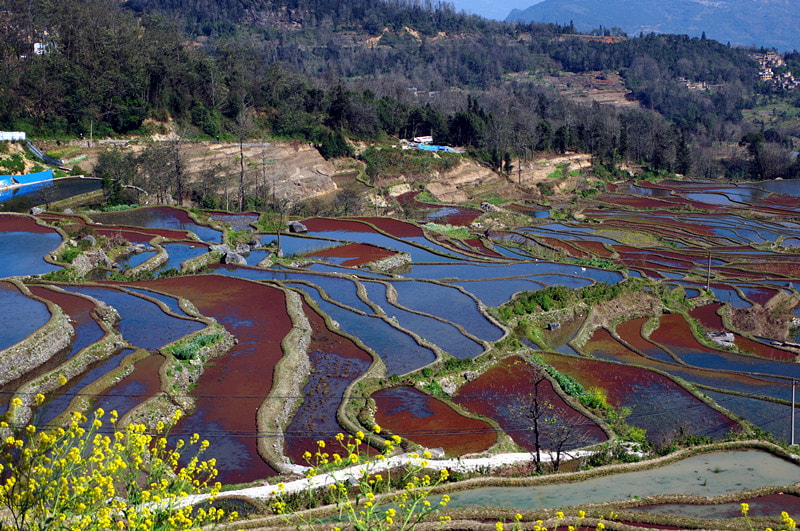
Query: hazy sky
497, 9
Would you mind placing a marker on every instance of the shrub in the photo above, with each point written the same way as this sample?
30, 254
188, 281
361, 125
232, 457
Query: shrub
356, 499
69, 255
83, 476
187, 351
15, 163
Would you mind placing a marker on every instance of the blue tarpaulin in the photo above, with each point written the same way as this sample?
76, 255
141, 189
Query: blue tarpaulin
34, 177
5, 195
431, 147
5, 180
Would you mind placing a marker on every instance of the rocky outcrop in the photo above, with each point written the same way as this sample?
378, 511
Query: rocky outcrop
85, 262
296, 226
234, 258
222, 248
395, 263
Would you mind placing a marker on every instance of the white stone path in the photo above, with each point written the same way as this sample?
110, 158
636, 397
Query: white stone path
354, 473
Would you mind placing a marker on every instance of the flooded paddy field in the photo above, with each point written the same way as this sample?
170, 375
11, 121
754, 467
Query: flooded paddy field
430, 422
336, 362
656, 403
507, 393
231, 390
704, 475
161, 218
23, 245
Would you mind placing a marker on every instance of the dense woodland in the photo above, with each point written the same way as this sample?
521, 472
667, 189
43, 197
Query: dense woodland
324, 71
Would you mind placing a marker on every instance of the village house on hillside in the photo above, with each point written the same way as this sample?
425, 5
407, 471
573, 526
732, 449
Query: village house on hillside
768, 61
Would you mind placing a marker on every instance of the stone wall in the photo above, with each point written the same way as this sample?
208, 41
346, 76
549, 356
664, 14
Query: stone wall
276, 412
37, 348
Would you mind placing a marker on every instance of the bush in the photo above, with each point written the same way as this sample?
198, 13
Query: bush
188, 350
356, 498
15, 163
90, 478
69, 255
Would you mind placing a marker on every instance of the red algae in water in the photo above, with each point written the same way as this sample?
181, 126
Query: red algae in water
480, 246
431, 423
327, 225
142, 234
631, 333
397, 228
658, 404
336, 361
675, 332
504, 393
135, 388
18, 223
231, 389
359, 253
707, 316
79, 310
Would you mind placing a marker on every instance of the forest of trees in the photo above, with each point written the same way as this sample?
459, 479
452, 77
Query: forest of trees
306, 70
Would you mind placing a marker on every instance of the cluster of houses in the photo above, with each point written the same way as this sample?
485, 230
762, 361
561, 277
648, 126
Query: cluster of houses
768, 61
693, 85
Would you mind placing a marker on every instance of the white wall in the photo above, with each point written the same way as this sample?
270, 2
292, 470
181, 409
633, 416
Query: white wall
12, 136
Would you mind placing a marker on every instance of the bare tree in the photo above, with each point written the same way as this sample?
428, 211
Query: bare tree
244, 126
536, 413
178, 164
553, 431
46, 195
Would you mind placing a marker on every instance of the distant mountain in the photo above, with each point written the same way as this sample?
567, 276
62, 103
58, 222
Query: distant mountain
497, 9
769, 23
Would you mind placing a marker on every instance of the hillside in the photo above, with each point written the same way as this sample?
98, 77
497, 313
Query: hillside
758, 23
374, 71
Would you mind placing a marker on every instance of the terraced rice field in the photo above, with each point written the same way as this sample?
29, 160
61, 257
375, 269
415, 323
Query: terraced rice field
371, 334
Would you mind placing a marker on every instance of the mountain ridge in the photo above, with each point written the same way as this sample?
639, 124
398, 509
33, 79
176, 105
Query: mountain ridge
735, 21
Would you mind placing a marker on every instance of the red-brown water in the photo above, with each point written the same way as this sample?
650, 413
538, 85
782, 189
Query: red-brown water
233, 387
336, 361
656, 402
358, 253
506, 393
431, 423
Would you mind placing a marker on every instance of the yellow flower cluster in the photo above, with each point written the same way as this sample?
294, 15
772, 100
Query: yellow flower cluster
83, 477
361, 504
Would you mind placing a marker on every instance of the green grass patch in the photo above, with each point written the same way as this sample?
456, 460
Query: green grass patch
188, 350
457, 233
69, 255
14, 163
65, 152
117, 208
425, 197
